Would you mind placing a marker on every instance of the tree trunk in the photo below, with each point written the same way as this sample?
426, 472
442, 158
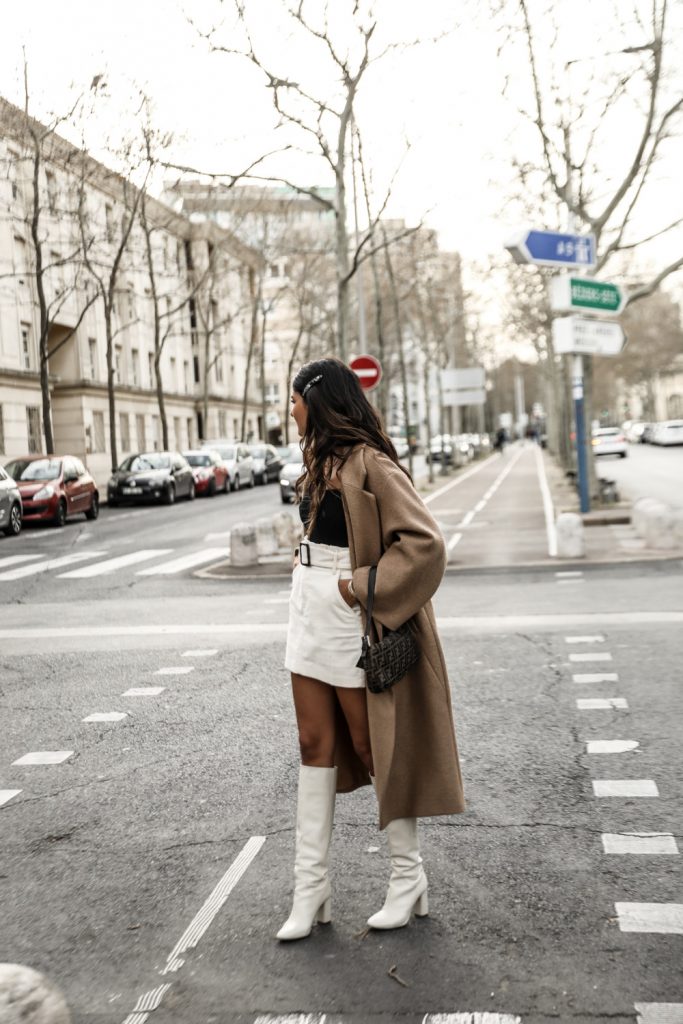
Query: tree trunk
160, 398
205, 384
44, 329
342, 242
262, 374
256, 291
401, 354
111, 385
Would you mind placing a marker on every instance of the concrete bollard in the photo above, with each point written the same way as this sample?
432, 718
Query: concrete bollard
659, 526
266, 539
243, 546
640, 513
27, 997
282, 524
569, 528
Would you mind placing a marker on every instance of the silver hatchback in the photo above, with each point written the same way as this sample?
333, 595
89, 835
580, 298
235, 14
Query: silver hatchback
10, 505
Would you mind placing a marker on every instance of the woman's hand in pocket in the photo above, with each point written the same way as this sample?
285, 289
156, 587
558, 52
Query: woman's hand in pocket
344, 591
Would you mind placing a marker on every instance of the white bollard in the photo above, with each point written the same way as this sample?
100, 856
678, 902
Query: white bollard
282, 524
569, 528
266, 540
27, 997
243, 546
659, 526
640, 513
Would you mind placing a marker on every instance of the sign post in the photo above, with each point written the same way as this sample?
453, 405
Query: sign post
368, 370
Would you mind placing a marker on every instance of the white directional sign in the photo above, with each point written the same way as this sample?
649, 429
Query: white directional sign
582, 294
578, 334
463, 387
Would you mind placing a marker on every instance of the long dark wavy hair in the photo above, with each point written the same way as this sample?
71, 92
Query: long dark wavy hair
339, 418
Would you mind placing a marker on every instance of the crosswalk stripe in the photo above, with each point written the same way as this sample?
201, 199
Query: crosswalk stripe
185, 562
51, 563
661, 918
112, 564
15, 559
659, 1013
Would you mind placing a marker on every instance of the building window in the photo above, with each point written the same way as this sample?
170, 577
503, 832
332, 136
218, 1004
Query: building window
219, 365
118, 362
92, 355
2, 432
222, 423
272, 393
13, 163
174, 375
140, 432
235, 428
51, 191
98, 432
135, 367
150, 367
186, 376
178, 431
195, 360
33, 429
26, 353
131, 305
109, 217
124, 431
190, 431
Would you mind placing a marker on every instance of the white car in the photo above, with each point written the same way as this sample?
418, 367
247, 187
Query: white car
669, 432
238, 461
609, 441
634, 431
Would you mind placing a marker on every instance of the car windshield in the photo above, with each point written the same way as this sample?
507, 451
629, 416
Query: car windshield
199, 460
34, 469
606, 433
258, 453
225, 451
143, 463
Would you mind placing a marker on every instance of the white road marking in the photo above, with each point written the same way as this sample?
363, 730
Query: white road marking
112, 564
213, 903
560, 583
455, 539
460, 479
471, 1018
106, 716
175, 670
593, 656
51, 563
277, 600
548, 510
599, 703
136, 1018
144, 691
611, 746
8, 794
584, 639
15, 559
151, 1000
624, 787
44, 757
217, 536
596, 677
201, 652
480, 505
659, 1013
466, 520
292, 1018
185, 562
653, 844
663, 918
569, 574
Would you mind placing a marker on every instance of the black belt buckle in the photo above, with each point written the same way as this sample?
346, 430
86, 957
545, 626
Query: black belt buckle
304, 545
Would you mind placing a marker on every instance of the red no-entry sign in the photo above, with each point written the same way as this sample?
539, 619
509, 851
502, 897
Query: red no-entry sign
368, 370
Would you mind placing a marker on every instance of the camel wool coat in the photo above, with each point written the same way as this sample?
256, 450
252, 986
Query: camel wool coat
412, 736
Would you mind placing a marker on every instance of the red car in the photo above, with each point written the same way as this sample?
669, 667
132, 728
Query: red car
54, 487
209, 471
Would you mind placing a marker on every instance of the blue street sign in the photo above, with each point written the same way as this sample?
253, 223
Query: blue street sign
553, 249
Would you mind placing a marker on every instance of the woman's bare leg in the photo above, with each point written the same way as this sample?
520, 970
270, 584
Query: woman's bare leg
354, 704
314, 703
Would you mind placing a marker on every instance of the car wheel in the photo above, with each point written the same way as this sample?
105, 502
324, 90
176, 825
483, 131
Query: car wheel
192, 493
622, 455
226, 485
94, 509
60, 514
169, 495
236, 484
212, 488
252, 479
13, 528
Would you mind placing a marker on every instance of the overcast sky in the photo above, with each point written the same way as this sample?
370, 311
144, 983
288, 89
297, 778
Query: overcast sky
445, 97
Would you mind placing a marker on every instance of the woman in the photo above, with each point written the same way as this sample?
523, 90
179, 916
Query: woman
361, 509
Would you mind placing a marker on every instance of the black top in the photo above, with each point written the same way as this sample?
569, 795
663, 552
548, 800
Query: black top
330, 524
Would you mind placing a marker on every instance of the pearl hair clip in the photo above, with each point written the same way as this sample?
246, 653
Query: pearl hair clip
311, 382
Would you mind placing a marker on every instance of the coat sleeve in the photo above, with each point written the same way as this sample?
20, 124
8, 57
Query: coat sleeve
412, 566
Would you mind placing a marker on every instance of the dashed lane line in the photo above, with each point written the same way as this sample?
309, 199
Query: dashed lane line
455, 539
601, 703
201, 652
175, 670
590, 656
460, 479
659, 1013
625, 788
599, 639
661, 918
42, 757
144, 691
611, 746
106, 716
548, 510
596, 677
8, 794
569, 574
653, 844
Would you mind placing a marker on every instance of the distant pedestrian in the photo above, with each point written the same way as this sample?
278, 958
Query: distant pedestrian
360, 509
501, 438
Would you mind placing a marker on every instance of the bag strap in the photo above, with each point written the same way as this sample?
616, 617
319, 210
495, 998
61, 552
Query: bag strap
368, 611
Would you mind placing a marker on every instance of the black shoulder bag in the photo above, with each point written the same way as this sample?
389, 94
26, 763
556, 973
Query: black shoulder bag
391, 658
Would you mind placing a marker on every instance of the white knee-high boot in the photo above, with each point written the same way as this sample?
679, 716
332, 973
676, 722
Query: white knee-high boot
407, 892
314, 820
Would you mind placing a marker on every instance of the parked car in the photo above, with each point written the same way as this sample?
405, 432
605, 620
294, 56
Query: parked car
647, 437
238, 461
151, 476
210, 475
609, 441
10, 505
634, 431
289, 475
267, 463
401, 446
54, 487
669, 432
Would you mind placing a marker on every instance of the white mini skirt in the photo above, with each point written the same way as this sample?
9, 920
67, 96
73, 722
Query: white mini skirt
324, 634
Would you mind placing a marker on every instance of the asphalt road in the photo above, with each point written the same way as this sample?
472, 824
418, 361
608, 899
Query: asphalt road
649, 471
172, 827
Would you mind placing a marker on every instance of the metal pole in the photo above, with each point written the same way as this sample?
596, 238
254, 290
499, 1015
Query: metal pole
362, 326
577, 392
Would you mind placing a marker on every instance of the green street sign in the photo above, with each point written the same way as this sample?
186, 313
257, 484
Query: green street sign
568, 294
